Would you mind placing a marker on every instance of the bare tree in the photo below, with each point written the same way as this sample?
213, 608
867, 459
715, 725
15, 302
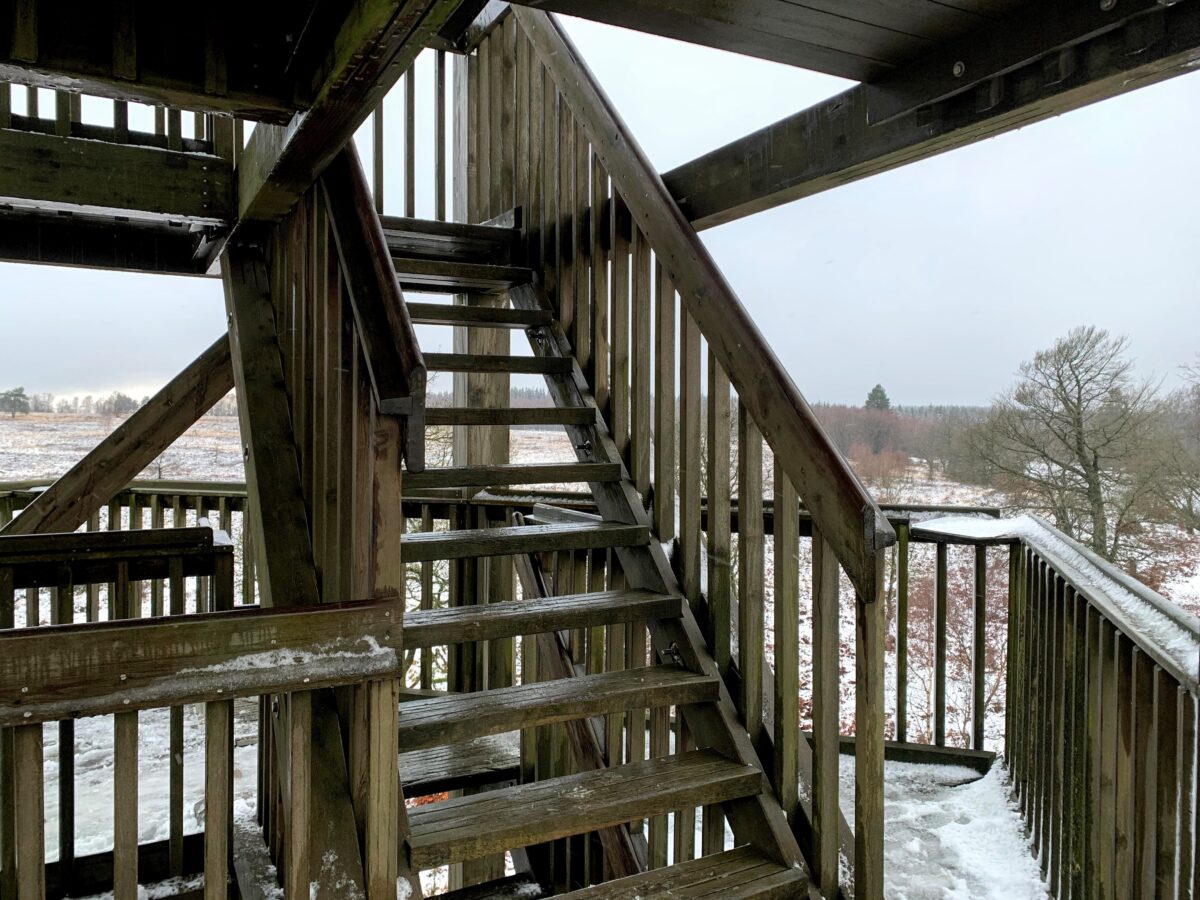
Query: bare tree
1079, 438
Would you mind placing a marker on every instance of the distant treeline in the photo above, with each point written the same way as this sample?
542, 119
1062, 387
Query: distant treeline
17, 401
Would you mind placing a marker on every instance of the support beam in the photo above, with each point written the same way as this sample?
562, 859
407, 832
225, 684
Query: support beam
70, 173
832, 143
377, 41
135, 444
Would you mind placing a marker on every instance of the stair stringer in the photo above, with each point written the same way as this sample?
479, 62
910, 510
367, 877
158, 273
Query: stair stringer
759, 820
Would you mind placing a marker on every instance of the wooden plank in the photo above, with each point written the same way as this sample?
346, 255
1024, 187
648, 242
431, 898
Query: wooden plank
373, 45
719, 550
218, 798
287, 575
29, 813
979, 649
473, 543
870, 636
192, 659
664, 405
468, 827
641, 375
786, 683
750, 574
8, 766
850, 519
495, 364
465, 625
902, 633
75, 173
939, 651
299, 851
458, 415
511, 474
133, 445
826, 716
833, 142
478, 316
461, 717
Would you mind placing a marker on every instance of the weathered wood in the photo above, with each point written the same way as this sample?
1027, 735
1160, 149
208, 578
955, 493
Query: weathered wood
466, 625
77, 174
826, 701
218, 799
786, 683
902, 633
133, 445
750, 575
107, 667
738, 874
494, 363
833, 143
939, 649
473, 543
29, 813
373, 45
490, 476
477, 316
850, 519
458, 415
468, 827
979, 649
426, 723
299, 853
870, 635
486, 761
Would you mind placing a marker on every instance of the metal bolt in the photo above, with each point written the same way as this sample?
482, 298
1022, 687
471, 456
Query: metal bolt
1108, 5
220, 690
307, 680
387, 614
960, 69
126, 701
387, 635
124, 677
274, 642
29, 715
24, 690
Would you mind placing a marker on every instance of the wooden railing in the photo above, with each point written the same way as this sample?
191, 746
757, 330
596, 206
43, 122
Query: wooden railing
219, 135
200, 649
646, 309
1102, 724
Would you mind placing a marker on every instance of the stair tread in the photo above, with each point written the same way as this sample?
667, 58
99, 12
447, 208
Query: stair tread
488, 362
493, 316
492, 476
547, 415
515, 887
463, 624
456, 717
416, 238
465, 828
486, 759
511, 539
456, 276
737, 874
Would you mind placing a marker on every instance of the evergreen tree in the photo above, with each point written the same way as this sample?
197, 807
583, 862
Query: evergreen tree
14, 401
878, 399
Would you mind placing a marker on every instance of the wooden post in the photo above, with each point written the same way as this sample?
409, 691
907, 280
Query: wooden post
30, 813
218, 798
787, 643
750, 574
868, 751
826, 718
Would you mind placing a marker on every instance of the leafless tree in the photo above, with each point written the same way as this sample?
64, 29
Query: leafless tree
1079, 438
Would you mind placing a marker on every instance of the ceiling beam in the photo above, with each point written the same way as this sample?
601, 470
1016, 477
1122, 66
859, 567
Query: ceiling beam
833, 143
77, 174
376, 42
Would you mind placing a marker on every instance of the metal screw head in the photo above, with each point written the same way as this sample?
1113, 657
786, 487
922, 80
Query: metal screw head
124, 677
28, 715
24, 690
959, 69
1108, 5
125, 701
307, 680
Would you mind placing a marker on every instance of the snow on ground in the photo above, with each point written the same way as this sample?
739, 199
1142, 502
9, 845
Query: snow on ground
950, 835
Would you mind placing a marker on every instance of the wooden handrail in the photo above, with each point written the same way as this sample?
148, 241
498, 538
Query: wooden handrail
843, 509
393, 355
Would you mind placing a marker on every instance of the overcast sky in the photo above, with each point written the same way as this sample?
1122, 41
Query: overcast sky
936, 279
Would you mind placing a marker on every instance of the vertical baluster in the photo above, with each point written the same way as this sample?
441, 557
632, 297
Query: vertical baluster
198, 123
566, 224
174, 129
175, 607
664, 406
619, 369
535, 215
427, 601
786, 559
826, 692
1167, 782
439, 144
218, 797
125, 772
160, 120
660, 737
979, 652
1127, 657
1189, 779
377, 156
1012, 670
62, 113
9, 835
1147, 762
1067, 747
939, 649
297, 862
410, 141
1108, 761
870, 634
720, 586
1058, 735
5, 105
31, 102
639, 449
63, 613
29, 812
581, 239
156, 585
902, 631
750, 573
600, 233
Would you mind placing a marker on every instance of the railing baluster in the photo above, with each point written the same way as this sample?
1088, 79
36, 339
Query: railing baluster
5, 105
642, 377
29, 812
9, 833
660, 746
902, 631
63, 613
689, 456
939, 649
439, 144
786, 560
826, 717
619, 369
664, 406
410, 141
979, 652
750, 574
218, 798
125, 772
599, 299
176, 599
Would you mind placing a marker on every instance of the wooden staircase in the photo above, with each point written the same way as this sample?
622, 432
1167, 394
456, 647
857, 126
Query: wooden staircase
468, 741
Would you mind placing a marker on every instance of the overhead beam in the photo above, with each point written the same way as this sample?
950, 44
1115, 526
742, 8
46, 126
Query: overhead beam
832, 143
100, 242
377, 41
135, 444
71, 173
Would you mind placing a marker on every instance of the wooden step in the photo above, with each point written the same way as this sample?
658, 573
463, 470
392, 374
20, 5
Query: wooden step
548, 415
514, 887
471, 543
738, 874
470, 827
486, 760
479, 316
448, 241
518, 365
437, 276
461, 717
495, 476
464, 624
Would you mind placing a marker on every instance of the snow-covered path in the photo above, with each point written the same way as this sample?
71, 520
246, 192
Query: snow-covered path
950, 835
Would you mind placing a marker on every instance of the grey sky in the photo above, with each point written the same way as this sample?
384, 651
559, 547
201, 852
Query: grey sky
936, 279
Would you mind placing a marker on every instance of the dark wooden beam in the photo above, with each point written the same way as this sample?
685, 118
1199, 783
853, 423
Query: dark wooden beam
135, 444
377, 41
101, 242
72, 173
832, 143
